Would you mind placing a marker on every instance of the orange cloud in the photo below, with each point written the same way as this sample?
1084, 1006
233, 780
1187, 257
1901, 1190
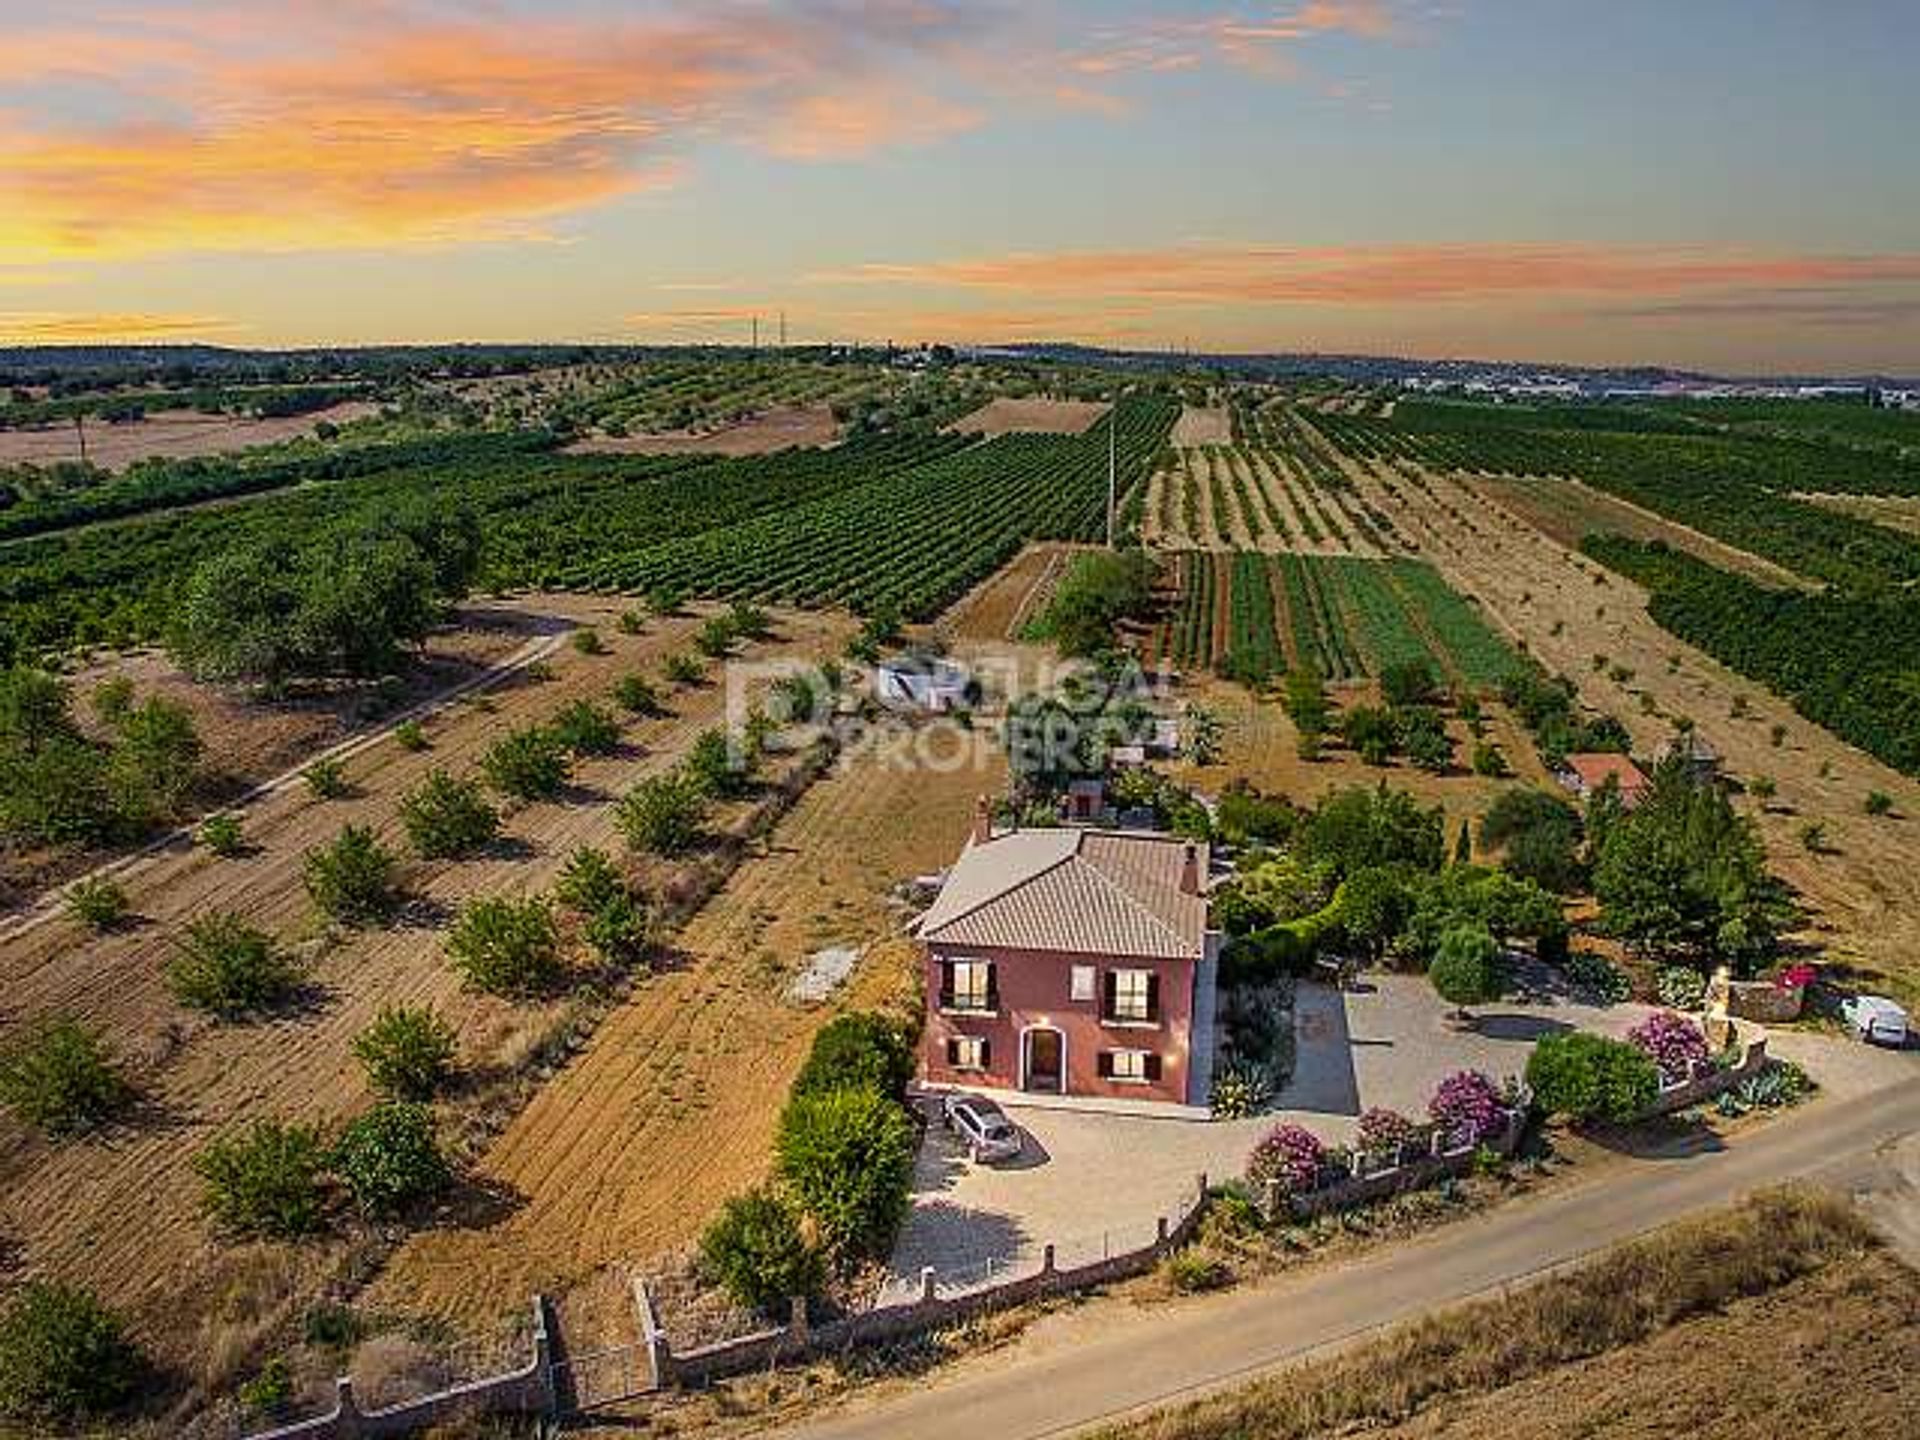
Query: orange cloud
1219, 275
51, 327
386, 123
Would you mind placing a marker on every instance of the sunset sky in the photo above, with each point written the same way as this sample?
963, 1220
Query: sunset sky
1730, 184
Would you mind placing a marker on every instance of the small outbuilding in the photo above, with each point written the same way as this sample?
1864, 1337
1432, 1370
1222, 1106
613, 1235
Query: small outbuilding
1586, 774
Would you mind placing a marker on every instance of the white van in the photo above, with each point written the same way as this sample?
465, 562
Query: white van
1876, 1019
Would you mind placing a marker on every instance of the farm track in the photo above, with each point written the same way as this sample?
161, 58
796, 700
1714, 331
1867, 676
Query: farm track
121, 1213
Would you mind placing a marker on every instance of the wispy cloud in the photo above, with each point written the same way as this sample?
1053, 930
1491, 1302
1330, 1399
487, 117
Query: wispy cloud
53, 327
1386, 275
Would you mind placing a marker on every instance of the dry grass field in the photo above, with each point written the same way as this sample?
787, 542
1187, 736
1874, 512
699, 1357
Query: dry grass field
1862, 888
1009, 415
999, 606
168, 435
1203, 425
120, 1212
1896, 512
772, 430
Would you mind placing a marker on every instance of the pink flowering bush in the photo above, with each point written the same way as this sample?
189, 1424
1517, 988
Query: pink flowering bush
1673, 1043
1796, 977
1289, 1154
1385, 1133
1467, 1109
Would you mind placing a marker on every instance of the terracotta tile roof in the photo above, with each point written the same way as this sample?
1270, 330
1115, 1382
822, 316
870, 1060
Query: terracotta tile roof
1083, 891
1596, 769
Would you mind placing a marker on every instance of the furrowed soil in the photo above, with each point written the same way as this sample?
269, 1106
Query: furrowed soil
1203, 425
169, 435
1861, 890
628, 1152
120, 1212
1012, 416
1000, 605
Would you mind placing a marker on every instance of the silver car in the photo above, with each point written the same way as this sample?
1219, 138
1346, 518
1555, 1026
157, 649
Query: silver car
983, 1127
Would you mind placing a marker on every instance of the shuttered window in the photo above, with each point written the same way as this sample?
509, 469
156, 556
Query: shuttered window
969, 1052
968, 985
1133, 996
1139, 1067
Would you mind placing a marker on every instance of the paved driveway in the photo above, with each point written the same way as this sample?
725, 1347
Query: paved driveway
1090, 1181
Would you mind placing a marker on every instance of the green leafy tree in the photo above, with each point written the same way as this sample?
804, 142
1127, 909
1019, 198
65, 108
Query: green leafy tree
353, 879
226, 967
758, 1251
635, 694
1304, 698
663, 814
447, 818
1373, 906
507, 947
1465, 969
1590, 1077
1357, 828
59, 1077
586, 729
847, 1158
222, 835
264, 1180
326, 780
591, 881
408, 1052
97, 902
1540, 835
1408, 682
64, 1357
389, 1159
528, 764
718, 764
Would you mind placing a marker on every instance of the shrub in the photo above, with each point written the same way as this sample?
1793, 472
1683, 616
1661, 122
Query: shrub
506, 947
1465, 970
665, 600
715, 765
847, 1157
588, 642
586, 729
1813, 837
1193, 1272
590, 881
447, 818
1467, 1108
1385, 1133
1289, 1154
1239, 1090
634, 693
1879, 802
409, 736
758, 1252
618, 932
352, 879
683, 669
1679, 987
326, 780
264, 1180
631, 622
1674, 1044
97, 903
407, 1052
1591, 1077
749, 621
1598, 977
59, 1077
63, 1356
528, 764
662, 814
389, 1159
1490, 760
222, 835
270, 1391
714, 638
227, 968
861, 1050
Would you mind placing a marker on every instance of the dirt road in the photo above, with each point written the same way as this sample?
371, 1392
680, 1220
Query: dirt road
1074, 1370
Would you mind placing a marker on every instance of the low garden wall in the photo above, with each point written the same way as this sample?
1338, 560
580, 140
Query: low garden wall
1765, 1001
1376, 1178
1718, 1079
929, 1310
527, 1390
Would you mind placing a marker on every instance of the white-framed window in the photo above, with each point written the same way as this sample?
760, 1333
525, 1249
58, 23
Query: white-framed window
1130, 1067
1082, 982
969, 986
967, 1052
1133, 996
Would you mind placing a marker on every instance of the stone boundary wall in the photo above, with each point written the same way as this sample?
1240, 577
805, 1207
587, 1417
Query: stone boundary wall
528, 1390
1372, 1181
797, 1340
1715, 1081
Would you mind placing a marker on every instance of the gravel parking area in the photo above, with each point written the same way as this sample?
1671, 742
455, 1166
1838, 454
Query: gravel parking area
1089, 1181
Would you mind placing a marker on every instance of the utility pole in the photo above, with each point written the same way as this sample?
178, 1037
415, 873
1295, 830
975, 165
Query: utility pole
756, 334
783, 329
80, 430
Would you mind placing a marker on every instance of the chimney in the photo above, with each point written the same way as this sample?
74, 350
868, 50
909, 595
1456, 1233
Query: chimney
982, 820
1190, 870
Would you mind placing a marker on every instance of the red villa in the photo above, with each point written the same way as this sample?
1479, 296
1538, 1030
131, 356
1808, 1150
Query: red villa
1072, 961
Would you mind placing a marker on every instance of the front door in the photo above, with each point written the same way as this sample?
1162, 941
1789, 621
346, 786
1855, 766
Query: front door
1046, 1068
